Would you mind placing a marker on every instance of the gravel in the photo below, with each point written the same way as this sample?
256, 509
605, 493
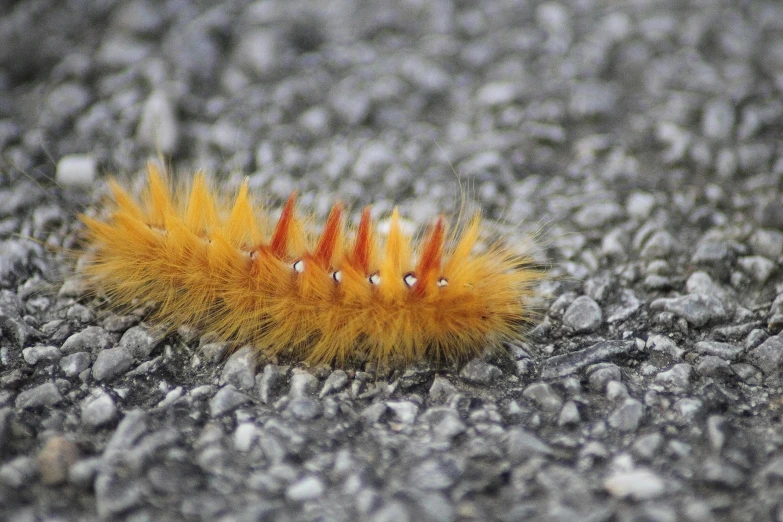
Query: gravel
636, 141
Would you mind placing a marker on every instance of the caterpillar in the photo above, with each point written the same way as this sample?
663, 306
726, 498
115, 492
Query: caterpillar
211, 261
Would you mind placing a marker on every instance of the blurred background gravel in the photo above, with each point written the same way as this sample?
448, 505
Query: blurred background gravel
643, 136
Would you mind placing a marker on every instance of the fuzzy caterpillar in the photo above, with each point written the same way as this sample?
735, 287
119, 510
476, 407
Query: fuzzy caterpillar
208, 261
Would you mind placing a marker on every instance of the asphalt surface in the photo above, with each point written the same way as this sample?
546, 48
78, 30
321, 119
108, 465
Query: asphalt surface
639, 142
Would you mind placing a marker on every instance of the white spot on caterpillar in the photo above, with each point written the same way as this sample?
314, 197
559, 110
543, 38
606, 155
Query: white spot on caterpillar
337, 276
442, 282
410, 280
375, 279
299, 266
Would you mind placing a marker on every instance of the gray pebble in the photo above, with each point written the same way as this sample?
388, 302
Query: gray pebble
226, 399
687, 408
627, 416
602, 373
110, 363
713, 366
640, 205
638, 484
478, 371
115, 494
441, 389
75, 363
35, 354
597, 215
768, 356
583, 315
697, 309
18, 472
647, 446
728, 351
543, 395
624, 308
722, 473
82, 474
373, 413
45, 394
660, 245
711, 253
98, 409
434, 475
567, 364
677, 379
240, 369
158, 127
139, 341
757, 267
268, 382
304, 408
91, 339
718, 120
521, 445
569, 415
336, 381
405, 412
663, 345
126, 435
308, 488
767, 243
303, 384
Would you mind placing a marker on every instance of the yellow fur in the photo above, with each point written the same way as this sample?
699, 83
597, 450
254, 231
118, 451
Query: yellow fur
210, 262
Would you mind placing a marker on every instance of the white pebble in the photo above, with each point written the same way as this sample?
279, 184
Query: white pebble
76, 170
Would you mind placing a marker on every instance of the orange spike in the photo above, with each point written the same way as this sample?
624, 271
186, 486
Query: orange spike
325, 248
431, 256
363, 247
279, 242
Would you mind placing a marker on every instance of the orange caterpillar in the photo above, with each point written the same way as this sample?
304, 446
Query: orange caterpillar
207, 261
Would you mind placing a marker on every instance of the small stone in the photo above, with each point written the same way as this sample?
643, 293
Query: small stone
697, 309
638, 484
768, 356
569, 415
687, 408
35, 354
240, 369
225, 400
597, 215
91, 339
139, 341
302, 385
404, 411
711, 253
583, 315
640, 205
308, 488
757, 267
110, 363
615, 390
115, 494
497, 93
600, 374
521, 445
543, 395
98, 409
373, 413
767, 243
478, 371
18, 472
42, 395
713, 366
304, 408
567, 364
75, 363
158, 126
647, 446
678, 378
627, 416
441, 389
268, 382
664, 346
336, 381
432, 475
76, 170
723, 474
624, 308
718, 120
727, 351
659, 246
82, 474
54, 460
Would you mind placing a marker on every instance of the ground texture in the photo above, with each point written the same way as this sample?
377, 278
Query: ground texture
642, 137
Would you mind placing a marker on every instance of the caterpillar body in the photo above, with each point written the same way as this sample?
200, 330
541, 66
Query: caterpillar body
207, 260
